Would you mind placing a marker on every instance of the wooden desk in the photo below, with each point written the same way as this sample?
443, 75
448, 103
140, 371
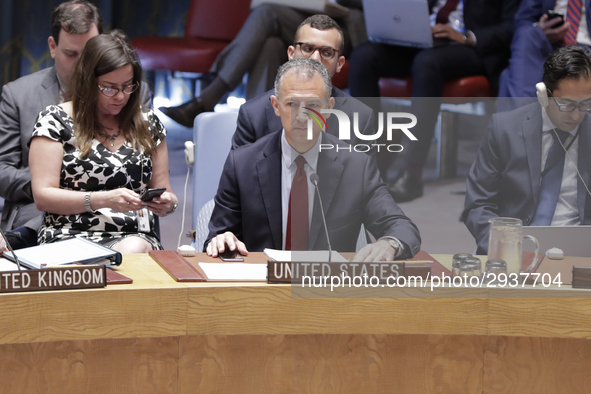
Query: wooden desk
160, 336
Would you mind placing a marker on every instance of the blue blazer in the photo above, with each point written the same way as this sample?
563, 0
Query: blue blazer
531, 11
505, 178
248, 200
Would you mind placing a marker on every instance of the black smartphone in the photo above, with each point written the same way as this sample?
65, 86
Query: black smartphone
152, 193
552, 15
231, 256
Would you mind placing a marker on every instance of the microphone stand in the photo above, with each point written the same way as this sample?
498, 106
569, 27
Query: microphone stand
314, 179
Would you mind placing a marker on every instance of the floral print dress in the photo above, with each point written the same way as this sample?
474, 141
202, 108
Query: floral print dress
100, 170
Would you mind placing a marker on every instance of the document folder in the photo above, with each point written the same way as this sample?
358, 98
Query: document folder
69, 251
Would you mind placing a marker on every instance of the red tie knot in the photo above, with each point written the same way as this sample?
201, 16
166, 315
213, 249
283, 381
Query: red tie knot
300, 161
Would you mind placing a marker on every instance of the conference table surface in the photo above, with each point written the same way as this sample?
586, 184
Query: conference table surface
159, 335
157, 305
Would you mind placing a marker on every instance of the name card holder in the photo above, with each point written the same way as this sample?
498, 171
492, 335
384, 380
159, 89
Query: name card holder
62, 278
581, 277
296, 272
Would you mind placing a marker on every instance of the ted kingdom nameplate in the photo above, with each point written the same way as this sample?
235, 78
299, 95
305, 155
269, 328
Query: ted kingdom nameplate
296, 272
74, 277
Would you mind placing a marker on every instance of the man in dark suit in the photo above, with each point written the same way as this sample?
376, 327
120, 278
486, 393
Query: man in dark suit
257, 117
473, 39
533, 162
536, 36
266, 198
73, 23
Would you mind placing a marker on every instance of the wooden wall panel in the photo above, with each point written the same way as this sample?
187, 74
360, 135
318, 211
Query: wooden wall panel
80, 314
537, 365
272, 310
545, 317
144, 365
330, 364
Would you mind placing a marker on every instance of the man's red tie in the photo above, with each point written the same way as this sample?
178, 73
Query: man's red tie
297, 217
573, 16
448, 8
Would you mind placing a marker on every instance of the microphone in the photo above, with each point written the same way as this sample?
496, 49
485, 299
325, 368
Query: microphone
314, 179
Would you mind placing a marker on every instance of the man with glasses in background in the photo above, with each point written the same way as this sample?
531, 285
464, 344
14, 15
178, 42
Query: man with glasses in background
319, 38
533, 162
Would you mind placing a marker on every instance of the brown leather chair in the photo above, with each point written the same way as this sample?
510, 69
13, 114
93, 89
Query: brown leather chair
460, 91
210, 26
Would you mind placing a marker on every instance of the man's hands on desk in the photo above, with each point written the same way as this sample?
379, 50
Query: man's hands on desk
380, 250
223, 242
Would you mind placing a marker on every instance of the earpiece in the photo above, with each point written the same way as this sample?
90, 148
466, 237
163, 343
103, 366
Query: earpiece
189, 152
542, 93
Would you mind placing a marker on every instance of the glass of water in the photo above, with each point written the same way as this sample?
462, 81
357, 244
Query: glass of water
471, 266
504, 243
457, 260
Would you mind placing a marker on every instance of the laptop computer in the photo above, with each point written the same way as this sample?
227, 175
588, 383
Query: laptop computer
573, 240
400, 22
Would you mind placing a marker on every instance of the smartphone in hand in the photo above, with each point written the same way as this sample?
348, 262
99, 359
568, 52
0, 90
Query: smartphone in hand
552, 15
231, 256
152, 193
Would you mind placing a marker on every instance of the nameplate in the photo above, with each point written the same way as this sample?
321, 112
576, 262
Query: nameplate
302, 272
581, 277
63, 278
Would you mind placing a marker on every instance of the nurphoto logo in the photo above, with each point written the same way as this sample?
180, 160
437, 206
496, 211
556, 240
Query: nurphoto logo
345, 129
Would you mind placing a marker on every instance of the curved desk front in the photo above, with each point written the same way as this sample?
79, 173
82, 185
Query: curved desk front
160, 336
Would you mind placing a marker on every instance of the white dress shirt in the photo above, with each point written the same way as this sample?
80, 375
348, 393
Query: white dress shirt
567, 211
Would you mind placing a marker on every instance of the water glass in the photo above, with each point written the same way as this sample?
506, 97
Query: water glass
495, 268
505, 241
471, 266
457, 260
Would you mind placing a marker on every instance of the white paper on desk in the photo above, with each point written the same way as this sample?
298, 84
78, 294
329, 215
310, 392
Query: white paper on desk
62, 253
304, 256
233, 272
7, 265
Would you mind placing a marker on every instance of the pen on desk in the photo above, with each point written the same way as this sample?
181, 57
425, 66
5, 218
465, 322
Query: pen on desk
419, 261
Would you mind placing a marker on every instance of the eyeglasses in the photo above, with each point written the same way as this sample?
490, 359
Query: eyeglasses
326, 53
112, 92
586, 107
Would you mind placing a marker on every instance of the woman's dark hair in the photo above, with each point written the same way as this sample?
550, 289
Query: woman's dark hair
103, 54
566, 62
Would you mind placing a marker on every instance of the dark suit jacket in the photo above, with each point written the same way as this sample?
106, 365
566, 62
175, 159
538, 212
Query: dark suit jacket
248, 201
22, 100
505, 178
492, 24
257, 118
531, 11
